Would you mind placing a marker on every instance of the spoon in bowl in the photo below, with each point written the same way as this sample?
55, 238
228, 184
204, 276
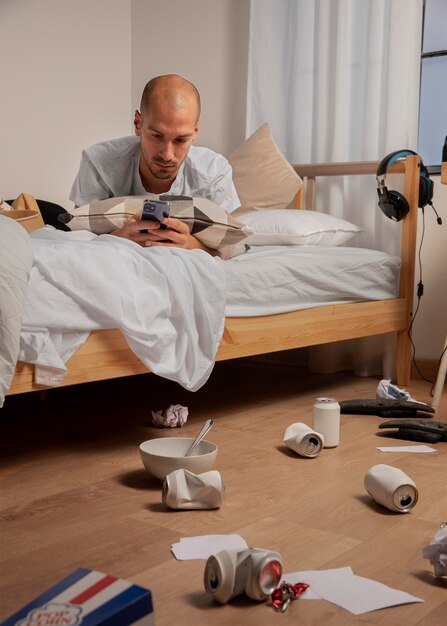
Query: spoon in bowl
208, 424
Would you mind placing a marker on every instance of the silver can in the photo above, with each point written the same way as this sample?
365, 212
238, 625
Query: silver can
326, 420
391, 487
184, 490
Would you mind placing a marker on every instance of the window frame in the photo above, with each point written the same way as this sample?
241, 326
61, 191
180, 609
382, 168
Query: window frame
432, 168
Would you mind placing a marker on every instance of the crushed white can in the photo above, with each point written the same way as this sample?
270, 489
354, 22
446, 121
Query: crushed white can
303, 440
184, 490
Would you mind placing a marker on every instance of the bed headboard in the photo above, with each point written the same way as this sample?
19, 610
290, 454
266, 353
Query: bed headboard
409, 167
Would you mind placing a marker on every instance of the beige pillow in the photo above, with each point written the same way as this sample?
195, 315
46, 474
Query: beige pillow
264, 179
209, 223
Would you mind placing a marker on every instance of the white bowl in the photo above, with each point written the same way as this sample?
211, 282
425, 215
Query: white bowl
165, 455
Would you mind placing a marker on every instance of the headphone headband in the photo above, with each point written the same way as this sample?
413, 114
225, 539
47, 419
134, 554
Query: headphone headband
392, 158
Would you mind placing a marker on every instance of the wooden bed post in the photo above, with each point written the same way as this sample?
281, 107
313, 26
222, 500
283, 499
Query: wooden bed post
408, 253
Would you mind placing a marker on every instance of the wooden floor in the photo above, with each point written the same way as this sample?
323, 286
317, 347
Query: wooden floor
75, 494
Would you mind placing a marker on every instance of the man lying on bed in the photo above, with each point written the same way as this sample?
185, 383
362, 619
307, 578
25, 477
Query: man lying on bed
159, 159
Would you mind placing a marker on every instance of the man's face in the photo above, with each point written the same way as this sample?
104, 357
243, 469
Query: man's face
165, 136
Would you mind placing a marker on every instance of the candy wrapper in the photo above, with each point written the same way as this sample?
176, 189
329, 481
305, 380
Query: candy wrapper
436, 552
173, 417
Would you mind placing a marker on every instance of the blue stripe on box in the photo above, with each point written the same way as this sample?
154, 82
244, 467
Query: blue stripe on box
48, 595
124, 609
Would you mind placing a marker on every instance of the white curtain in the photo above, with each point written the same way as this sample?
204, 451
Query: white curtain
338, 80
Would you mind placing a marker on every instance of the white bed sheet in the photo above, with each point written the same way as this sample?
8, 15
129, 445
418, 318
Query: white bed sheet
169, 303
276, 279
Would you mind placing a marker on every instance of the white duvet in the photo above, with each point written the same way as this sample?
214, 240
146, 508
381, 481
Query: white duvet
16, 258
169, 304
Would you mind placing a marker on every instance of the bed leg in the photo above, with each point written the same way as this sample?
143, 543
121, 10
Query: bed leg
403, 358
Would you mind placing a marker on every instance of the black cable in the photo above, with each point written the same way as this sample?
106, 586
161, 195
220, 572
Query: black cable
419, 293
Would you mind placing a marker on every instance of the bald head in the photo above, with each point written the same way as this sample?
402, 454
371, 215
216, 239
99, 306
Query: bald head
170, 91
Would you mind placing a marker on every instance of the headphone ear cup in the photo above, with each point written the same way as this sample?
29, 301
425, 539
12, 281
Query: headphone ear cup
425, 191
394, 205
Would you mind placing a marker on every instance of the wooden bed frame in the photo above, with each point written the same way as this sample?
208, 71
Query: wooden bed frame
106, 354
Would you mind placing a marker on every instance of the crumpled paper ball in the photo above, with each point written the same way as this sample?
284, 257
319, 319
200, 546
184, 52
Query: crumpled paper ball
173, 417
436, 552
388, 391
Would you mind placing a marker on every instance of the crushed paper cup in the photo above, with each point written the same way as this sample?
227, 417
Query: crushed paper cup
436, 552
173, 417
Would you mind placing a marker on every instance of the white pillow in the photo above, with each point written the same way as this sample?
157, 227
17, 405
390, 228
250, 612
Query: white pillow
277, 227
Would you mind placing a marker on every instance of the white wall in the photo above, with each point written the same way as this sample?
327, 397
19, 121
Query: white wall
206, 41
65, 84
430, 326
72, 74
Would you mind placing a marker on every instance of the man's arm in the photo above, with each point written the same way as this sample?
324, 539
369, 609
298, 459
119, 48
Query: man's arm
88, 184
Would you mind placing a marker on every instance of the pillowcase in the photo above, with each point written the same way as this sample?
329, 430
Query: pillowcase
297, 226
262, 176
209, 223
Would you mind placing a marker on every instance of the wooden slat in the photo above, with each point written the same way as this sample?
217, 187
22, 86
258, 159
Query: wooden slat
246, 336
348, 168
106, 354
408, 255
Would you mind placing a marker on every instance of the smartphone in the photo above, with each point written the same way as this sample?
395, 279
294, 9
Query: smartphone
156, 210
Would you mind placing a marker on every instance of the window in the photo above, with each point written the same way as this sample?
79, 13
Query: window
433, 98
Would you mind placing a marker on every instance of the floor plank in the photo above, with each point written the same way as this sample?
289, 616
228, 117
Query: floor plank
74, 493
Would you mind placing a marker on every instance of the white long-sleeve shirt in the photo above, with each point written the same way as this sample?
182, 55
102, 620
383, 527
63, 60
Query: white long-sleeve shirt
111, 169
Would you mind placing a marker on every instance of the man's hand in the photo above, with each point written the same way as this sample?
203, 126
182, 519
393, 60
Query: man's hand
148, 233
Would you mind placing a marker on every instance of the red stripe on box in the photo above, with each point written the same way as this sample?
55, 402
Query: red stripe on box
93, 590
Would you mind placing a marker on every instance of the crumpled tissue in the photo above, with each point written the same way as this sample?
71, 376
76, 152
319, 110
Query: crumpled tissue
436, 552
388, 391
174, 416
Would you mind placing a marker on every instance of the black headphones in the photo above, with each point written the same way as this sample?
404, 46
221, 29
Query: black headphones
393, 203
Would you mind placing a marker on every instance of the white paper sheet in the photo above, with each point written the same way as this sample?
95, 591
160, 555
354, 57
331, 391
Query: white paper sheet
421, 448
353, 593
204, 546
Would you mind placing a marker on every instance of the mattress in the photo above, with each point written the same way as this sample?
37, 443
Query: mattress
277, 279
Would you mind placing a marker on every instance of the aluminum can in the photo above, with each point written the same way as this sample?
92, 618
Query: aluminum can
184, 490
326, 420
303, 440
391, 487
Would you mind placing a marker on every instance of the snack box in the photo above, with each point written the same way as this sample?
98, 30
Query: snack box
89, 598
